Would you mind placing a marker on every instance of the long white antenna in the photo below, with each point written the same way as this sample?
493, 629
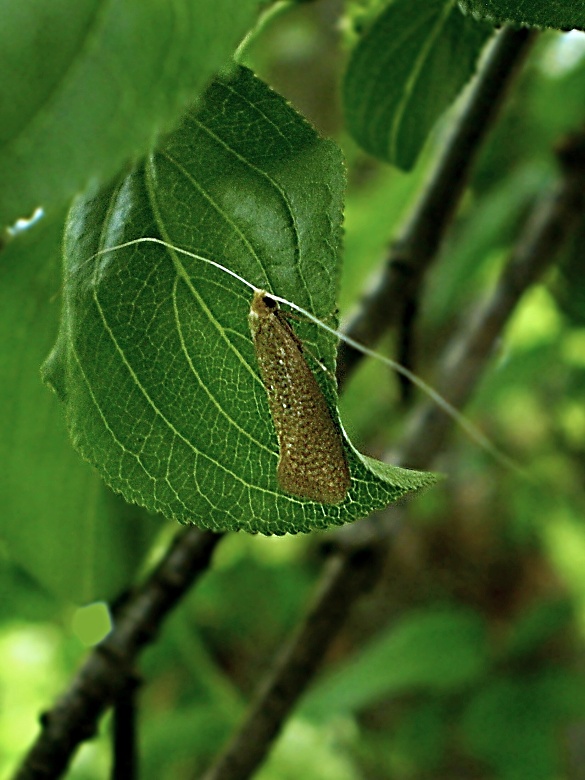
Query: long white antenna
472, 431
151, 240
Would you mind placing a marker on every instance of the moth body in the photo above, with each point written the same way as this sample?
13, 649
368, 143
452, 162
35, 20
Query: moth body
312, 462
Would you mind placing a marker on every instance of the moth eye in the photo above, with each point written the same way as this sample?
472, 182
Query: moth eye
269, 302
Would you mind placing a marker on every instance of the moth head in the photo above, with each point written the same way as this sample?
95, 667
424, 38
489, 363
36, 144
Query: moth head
269, 302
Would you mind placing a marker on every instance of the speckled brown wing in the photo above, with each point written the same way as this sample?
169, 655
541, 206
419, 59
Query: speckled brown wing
312, 461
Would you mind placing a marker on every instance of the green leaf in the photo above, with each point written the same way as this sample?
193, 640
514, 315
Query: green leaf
560, 14
513, 724
58, 520
405, 71
420, 737
437, 650
155, 359
86, 85
539, 624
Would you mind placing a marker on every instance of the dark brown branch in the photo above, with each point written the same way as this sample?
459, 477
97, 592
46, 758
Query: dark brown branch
345, 580
548, 227
346, 577
124, 736
110, 667
414, 250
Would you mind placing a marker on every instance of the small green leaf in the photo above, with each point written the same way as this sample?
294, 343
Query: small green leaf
408, 67
513, 723
436, 650
155, 358
539, 624
559, 14
59, 522
86, 85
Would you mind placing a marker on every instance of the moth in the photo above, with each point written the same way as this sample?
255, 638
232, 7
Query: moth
312, 462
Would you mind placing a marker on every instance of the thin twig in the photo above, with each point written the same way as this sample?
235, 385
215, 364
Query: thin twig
299, 660
344, 583
110, 667
550, 223
124, 733
411, 254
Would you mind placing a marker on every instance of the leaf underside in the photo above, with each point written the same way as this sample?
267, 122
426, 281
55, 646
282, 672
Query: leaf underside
155, 360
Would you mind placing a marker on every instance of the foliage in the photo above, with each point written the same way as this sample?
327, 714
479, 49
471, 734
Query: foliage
562, 14
430, 59
129, 72
59, 523
465, 661
190, 435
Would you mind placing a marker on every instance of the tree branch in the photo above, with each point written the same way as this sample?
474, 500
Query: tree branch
549, 225
124, 733
412, 253
299, 660
345, 580
109, 668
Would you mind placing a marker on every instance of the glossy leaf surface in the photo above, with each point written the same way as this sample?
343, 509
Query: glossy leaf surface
155, 360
